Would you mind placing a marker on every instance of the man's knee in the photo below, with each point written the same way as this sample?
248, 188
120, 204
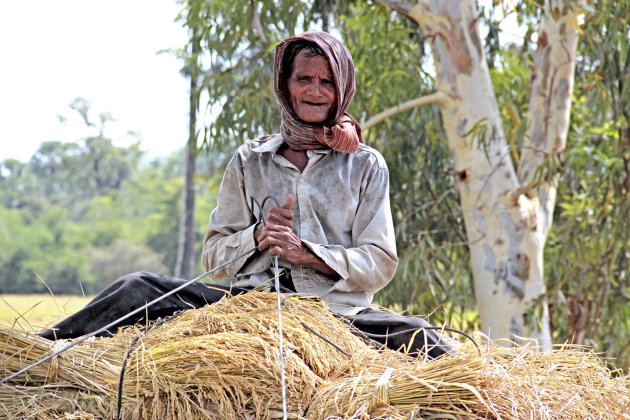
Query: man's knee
416, 322
139, 279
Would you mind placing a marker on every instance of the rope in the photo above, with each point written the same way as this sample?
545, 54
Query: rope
277, 286
122, 376
122, 318
284, 386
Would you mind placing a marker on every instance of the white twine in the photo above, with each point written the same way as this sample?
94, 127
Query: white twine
284, 386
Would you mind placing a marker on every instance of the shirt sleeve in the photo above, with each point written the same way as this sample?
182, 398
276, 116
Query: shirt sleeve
231, 230
370, 263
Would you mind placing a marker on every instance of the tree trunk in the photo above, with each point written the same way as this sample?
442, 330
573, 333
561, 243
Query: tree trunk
185, 264
507, 219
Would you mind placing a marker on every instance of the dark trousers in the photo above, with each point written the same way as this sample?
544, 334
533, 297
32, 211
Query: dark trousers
135, 290
400, 332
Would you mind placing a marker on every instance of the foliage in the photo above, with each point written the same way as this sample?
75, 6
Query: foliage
588, 258
237, 55
392, 67
78, 215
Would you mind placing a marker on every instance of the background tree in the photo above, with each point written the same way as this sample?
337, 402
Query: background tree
508, 213
80, 214
186, 257
588, 275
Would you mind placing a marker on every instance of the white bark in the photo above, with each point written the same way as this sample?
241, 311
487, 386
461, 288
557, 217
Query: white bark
506, 228
549, 107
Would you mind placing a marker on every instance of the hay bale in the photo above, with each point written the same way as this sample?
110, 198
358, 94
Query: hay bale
570, 382
222, 361
394, 388
229, 351
73, 381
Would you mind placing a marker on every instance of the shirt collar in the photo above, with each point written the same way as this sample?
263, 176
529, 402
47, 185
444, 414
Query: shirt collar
274, 142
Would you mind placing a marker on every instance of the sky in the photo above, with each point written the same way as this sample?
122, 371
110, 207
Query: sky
105, 51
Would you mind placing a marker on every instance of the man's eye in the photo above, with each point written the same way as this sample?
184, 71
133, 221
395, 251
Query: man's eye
328, 82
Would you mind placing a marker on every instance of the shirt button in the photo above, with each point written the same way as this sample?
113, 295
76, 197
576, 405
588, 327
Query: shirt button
301, 179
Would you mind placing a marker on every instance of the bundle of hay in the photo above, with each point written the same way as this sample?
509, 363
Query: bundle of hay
80, 379
222, 361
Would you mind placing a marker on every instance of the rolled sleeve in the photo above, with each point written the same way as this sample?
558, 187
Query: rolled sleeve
232, 225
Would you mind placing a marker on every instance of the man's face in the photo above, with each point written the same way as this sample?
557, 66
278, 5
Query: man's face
312, 91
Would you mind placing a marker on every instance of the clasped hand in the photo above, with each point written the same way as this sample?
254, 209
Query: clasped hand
278, 236
281, 241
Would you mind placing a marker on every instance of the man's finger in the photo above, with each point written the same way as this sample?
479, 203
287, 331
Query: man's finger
275, 230
269, 241
290, 202
281, 217
276, 250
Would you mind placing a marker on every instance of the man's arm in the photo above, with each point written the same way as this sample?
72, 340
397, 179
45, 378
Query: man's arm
232, 227
369, 264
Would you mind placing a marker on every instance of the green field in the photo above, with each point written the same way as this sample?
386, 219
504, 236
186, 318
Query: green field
32, 312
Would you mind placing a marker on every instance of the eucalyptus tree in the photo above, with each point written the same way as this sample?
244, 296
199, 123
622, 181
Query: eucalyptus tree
589, 277
508, 208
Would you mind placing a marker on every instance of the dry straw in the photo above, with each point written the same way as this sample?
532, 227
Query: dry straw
222, 362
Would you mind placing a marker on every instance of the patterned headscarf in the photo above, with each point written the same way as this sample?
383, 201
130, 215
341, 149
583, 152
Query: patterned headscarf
343, 133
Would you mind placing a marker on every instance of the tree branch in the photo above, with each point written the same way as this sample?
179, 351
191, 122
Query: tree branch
549, 105
255, 25
436, 97
550, 95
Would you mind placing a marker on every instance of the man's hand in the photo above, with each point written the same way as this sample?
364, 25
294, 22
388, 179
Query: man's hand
281, 241
278, 236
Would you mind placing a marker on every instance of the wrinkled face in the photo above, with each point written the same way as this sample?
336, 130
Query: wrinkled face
312, 92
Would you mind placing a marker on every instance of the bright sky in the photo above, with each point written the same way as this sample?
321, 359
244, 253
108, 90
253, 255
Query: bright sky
52, 52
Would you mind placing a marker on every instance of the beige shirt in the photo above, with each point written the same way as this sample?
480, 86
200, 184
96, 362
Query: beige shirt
341, 213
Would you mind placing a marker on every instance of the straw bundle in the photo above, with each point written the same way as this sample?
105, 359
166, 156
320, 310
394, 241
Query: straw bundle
75, 380
222, 361
568, 382
225, 360
396, 389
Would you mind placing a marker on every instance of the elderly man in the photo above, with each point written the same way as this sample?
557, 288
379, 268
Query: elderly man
333, 234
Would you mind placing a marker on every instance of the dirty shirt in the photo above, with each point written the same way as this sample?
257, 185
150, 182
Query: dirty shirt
341, 214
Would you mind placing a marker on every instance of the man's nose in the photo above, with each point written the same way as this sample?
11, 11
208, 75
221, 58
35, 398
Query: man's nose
315, 89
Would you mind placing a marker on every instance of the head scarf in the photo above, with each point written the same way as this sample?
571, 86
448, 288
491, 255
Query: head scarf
342, 133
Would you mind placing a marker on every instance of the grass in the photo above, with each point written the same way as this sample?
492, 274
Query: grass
33, 312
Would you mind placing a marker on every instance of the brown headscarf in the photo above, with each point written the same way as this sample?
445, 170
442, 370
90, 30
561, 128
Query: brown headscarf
343, 132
